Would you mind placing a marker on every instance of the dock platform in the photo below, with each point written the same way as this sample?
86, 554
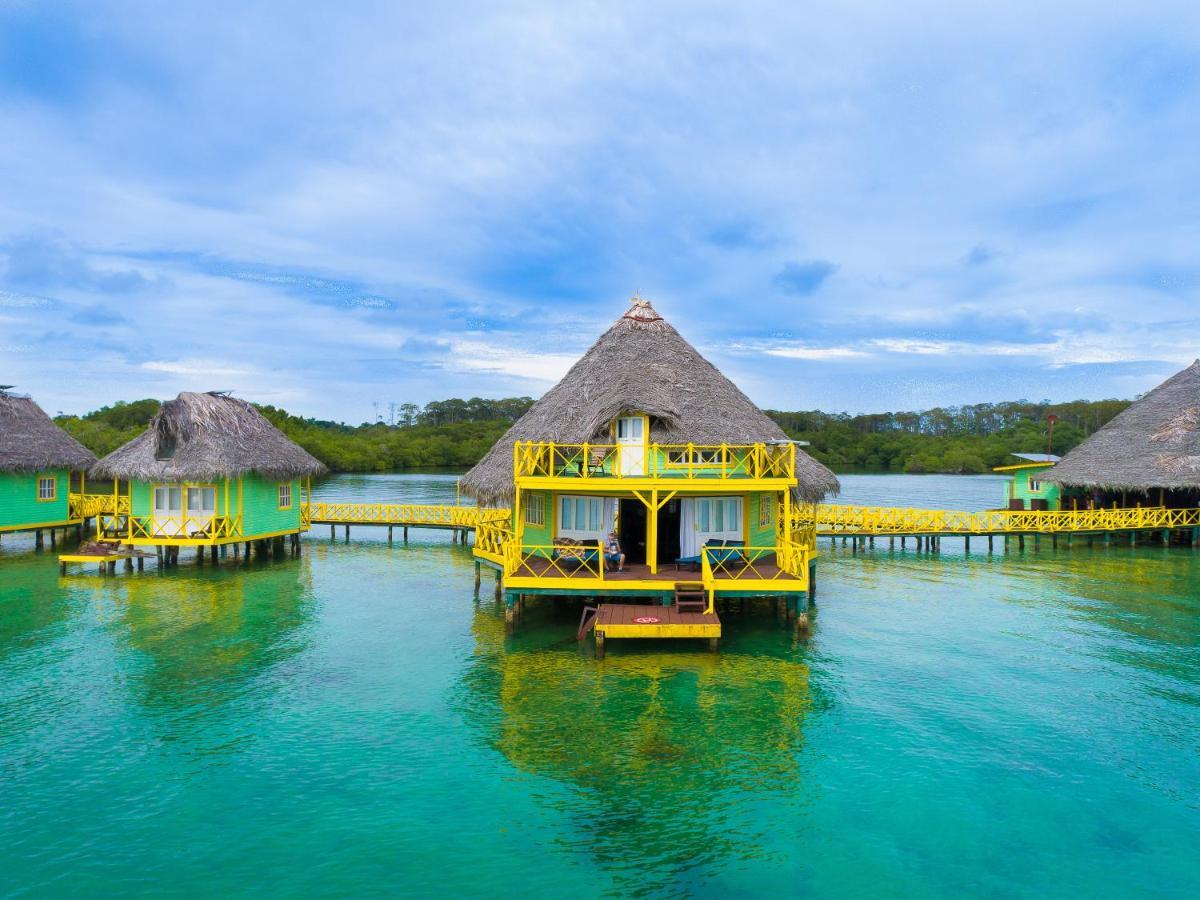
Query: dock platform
103, 555
631, 620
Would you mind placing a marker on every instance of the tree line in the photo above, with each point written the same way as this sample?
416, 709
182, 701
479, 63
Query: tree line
455, 433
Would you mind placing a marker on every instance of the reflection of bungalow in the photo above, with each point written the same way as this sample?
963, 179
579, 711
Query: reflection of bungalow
37, 460
1149, 455
643, 435
1026, 489
208, 470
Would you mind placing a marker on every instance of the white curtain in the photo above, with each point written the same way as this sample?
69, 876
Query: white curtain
689, 536
610, 517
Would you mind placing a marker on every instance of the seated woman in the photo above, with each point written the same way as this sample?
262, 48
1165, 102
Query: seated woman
612, 552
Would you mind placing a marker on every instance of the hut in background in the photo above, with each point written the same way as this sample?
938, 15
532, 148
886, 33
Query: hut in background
1147, 455
208, 470
1027, 488
37, 462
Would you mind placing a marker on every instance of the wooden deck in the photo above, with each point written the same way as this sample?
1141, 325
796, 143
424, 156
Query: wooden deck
630, 620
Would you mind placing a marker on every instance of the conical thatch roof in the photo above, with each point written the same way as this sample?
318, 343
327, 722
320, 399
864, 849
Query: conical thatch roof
640, 364
1155, 443
204, 437
31, 442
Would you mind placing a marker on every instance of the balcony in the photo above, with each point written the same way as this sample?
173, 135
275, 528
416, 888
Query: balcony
547, 464
183, 530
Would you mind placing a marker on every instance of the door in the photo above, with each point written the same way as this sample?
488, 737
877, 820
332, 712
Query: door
631, 531
168, 511
668, 532
201, 507
631, 445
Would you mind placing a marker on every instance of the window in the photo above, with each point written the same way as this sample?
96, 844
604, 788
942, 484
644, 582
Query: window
535, 509
584, 518
201, 501
764, 511
285, 495
695, 457
719, 517
47, 488
631, 428
1035, 486
165, 448
168, 501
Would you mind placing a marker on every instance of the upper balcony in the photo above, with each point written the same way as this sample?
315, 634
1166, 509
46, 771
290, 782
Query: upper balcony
545, 464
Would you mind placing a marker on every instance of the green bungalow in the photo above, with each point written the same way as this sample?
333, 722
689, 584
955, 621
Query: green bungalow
37, 463
209, 470
645, 437
1026, 487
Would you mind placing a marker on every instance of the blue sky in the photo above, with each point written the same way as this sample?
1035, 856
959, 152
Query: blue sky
858, 207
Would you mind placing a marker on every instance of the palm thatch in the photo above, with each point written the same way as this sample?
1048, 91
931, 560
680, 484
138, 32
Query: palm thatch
640, 364
31, 442
1155, 443
203, 437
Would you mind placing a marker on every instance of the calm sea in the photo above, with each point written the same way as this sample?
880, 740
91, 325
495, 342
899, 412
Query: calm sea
355, 723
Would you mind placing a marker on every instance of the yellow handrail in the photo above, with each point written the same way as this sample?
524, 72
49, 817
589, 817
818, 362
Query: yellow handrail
829, 519
587, 461
323, 513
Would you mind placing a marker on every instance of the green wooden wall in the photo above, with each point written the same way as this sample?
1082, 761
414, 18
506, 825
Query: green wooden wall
260, 504
19, 504
1019, 488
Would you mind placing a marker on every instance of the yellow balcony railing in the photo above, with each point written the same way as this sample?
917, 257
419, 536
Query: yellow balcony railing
691, 462
184, 530
404, 514
882, 520
493, 540
87, 506
571, 562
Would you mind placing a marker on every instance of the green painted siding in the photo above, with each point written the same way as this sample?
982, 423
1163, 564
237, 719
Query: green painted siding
19, 504
544, 533
1019, 488
260, 507
763, 536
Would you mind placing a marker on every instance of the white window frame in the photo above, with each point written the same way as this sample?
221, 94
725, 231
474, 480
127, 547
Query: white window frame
535, 509
717, 511
43, 495
569, 517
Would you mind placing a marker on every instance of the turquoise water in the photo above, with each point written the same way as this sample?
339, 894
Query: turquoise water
354, 722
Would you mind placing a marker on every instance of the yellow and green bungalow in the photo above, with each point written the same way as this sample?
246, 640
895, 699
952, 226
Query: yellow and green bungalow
38, 461
1025, 488
209, 470
645, 437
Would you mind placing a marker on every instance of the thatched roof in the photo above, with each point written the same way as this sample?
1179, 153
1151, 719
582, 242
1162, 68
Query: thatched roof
31, 442
1155, 443
640, 364
199, 437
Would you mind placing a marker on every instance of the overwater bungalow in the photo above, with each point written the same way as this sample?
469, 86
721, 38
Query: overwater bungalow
1149, 455
38, 461
1026, 487
645, 438
209, 470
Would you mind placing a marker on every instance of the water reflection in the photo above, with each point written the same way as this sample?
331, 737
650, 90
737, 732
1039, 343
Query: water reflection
667, 747
203, 638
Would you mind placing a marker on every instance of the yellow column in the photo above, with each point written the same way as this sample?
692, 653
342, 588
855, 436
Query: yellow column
652, 532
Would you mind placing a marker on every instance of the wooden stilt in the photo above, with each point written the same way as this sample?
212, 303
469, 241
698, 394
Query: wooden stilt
53, 540
37, 539
1021, 542
406, 534
599, 645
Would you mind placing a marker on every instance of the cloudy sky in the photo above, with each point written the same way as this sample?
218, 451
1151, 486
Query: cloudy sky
869, 206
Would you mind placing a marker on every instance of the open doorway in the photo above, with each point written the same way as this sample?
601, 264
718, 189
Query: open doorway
668, 533
631, 530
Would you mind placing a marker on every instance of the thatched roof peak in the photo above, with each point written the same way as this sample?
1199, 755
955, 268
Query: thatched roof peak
1155, 443
208, 436
640, 364
31, 442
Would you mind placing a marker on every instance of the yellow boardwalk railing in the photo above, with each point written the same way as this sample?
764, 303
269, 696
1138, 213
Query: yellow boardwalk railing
87, 506
410, 514
546, 460
883, 520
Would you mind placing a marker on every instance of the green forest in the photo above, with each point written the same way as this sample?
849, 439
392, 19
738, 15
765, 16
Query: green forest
456, 433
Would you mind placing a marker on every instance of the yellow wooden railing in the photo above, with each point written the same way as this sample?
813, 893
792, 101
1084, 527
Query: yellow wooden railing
87, 506
881, 520
708, 462
404, 514
557, 561
493, 541
182, 530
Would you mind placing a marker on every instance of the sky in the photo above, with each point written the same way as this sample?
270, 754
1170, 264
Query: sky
846, 206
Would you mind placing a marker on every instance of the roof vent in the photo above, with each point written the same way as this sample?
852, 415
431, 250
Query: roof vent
642, 311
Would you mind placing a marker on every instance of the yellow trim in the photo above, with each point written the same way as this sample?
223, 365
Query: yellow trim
34, 526
1031, 465
54, 480
883, 520
664, 630
279, 495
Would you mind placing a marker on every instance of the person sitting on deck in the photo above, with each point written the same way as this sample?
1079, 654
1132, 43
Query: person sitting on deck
612, 552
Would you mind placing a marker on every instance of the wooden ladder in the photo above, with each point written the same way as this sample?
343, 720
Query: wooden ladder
690, 597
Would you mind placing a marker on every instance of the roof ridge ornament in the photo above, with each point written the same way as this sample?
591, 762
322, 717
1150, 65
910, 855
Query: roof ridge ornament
641, 310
